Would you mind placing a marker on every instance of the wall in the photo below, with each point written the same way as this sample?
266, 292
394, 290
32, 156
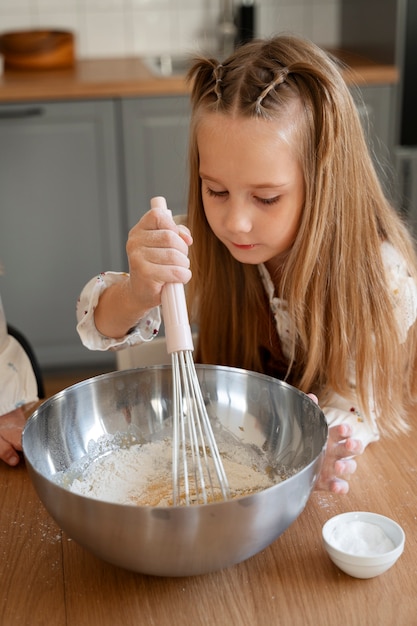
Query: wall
137, 27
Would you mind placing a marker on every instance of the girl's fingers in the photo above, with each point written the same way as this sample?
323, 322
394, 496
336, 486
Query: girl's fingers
342, 444
354, 446
338, 486
339, 465
345, 467
185, 234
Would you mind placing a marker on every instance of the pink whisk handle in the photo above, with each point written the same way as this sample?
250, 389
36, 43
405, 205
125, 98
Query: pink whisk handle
177, 327
174, 306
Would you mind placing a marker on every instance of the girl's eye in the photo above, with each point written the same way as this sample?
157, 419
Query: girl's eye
216, 194
269, 201
223, 194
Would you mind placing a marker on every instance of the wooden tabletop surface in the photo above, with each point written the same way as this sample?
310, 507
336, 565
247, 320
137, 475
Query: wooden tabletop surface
48, 579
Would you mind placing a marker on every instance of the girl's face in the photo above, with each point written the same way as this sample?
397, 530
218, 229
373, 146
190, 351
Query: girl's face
252, 185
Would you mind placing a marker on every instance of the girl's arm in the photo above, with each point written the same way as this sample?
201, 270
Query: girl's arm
350, 432
122, 309
145, 329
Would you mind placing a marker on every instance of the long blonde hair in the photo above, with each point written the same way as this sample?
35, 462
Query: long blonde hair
333, 278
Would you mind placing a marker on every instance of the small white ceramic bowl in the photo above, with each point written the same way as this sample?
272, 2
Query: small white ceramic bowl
363, 544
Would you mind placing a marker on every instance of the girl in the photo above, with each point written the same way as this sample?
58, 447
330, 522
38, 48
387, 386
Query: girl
300, 267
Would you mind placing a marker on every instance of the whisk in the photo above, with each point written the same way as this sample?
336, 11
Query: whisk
197, 468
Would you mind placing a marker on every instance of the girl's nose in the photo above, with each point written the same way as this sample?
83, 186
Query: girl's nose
238, 218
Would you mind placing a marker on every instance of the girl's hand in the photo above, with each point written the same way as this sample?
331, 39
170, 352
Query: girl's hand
157, 251
338, 463
11, 427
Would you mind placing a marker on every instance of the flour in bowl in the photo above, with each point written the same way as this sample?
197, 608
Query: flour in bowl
141, 474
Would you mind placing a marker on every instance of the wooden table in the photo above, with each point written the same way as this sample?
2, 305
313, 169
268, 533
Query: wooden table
47, 579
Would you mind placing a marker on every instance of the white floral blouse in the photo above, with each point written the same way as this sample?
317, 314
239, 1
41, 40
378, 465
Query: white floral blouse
18, 382
337, 408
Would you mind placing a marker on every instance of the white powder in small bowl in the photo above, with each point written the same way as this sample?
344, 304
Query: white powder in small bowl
360, 538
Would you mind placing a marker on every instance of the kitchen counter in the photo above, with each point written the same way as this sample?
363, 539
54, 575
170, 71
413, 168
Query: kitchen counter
130, 77
89, 79
47, 579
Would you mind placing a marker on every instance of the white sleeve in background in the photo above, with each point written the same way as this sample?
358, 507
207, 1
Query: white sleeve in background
18, 384
146, 330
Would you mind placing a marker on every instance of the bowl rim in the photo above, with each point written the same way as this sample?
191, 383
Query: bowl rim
367, 516
114, 374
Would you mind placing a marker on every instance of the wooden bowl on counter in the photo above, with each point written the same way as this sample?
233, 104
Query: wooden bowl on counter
37, 49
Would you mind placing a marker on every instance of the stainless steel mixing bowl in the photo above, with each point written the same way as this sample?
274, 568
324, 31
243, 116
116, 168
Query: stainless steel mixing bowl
176, 541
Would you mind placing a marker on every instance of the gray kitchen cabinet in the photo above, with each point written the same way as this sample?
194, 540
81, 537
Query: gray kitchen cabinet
376, 106
155, 142
60, 219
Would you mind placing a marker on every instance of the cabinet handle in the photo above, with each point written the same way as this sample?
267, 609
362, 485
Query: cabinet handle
18, 114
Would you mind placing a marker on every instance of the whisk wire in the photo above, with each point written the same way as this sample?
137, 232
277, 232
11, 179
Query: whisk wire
203, 419
191, 418
179, 458
193, 434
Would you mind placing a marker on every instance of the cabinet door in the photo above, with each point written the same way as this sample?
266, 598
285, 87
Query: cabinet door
60, 219
155, 135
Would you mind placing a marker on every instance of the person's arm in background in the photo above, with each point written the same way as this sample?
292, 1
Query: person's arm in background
18, 387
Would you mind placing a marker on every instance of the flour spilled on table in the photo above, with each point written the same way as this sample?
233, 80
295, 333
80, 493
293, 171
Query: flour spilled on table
141, 473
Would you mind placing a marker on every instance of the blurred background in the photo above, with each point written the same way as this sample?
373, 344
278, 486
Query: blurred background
139, 27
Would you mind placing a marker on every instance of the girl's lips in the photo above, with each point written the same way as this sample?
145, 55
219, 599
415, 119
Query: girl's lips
243, 246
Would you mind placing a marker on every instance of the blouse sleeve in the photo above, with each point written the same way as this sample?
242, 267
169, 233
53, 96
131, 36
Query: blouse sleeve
18, 381
146, 329
338, 410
